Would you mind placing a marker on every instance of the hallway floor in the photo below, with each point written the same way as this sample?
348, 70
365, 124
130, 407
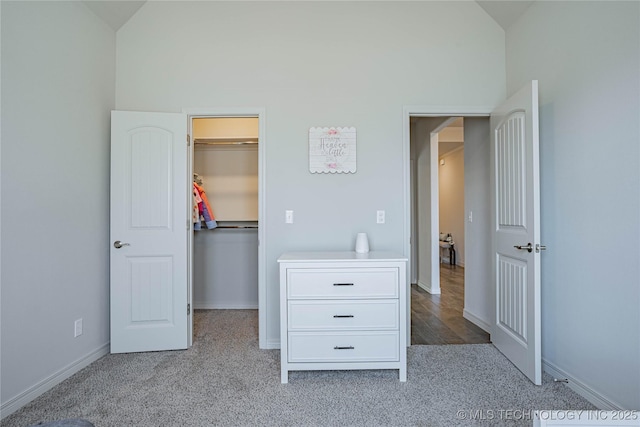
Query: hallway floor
437, 319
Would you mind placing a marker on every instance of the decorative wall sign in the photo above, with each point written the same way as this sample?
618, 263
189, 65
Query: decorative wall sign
332, 150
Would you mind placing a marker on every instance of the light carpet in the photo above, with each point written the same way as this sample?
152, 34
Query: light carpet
226, 380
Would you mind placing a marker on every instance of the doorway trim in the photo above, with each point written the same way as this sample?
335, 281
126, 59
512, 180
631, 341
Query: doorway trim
409, 111
260, 113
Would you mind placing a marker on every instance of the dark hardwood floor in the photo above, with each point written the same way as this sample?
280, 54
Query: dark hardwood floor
437, 319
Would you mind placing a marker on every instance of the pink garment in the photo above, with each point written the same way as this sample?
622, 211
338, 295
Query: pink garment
205, 208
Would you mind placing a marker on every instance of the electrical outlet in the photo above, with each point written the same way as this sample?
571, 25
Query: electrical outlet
380, 217
288, 217
77, 328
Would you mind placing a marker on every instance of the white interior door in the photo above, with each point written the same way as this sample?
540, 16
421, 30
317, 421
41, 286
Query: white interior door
149, 229
516, 220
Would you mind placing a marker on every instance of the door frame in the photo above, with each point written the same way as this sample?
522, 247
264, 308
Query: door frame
424, 111
260, 113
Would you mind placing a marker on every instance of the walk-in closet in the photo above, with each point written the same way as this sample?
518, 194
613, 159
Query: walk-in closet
225, 242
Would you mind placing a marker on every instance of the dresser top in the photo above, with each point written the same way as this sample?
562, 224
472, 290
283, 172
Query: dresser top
340, 256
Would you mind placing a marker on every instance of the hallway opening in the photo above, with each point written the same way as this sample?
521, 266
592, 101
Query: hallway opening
438, 319
449, 204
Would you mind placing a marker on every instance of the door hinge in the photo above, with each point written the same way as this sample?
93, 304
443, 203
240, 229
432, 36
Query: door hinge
188, 309
188, 224
188, 140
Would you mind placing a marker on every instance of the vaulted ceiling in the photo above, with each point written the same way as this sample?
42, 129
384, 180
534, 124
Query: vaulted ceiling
117, 12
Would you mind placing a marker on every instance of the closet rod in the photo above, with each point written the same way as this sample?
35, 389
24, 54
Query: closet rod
226, 141
236, 226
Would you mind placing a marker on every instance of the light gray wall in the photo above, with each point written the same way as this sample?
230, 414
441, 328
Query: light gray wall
478, 291
586, 56
315, 64
58, 85
451, 201
225, 269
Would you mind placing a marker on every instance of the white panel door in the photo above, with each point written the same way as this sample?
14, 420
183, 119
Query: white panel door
148, 231
516, 220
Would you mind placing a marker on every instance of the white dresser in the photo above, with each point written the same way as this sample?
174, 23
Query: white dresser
343, 310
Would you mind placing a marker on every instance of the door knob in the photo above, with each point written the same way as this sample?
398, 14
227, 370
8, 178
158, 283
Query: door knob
528, 248
540, 247
118, 245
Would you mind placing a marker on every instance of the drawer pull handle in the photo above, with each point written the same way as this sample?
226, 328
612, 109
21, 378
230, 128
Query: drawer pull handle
343, 284
342, 316
343, 348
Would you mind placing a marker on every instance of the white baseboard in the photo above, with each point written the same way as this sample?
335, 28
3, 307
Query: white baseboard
273, 345
53, 380
429, 288
476, 321
219, 306
593, 396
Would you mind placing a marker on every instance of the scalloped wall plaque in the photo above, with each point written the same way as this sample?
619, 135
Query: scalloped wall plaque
332, 150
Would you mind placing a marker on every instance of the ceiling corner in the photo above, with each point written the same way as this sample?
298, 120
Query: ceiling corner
114, 12
505, 12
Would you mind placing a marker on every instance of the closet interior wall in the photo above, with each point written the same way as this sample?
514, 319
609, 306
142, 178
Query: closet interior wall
225, 259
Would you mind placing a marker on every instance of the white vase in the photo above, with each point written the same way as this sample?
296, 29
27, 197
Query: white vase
362, 243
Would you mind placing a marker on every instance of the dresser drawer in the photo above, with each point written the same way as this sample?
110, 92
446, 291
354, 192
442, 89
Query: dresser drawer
340, 315
307, 347
342, 283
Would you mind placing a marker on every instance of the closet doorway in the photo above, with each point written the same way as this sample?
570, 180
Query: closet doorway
226, 247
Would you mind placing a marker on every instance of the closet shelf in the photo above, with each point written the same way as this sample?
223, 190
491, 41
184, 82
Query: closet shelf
236, 226
226, 141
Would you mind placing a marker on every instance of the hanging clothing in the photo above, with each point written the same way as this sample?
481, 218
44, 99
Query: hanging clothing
195, 211
204, 208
